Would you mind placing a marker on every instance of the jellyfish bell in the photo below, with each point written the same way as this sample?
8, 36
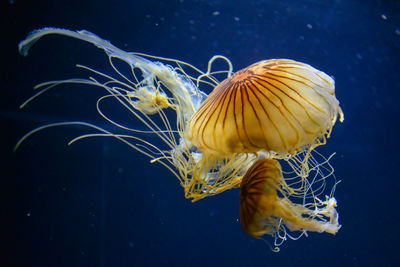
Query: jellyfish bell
266, 208
280, 106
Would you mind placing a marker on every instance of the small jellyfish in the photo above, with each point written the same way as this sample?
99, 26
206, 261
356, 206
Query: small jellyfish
266, 208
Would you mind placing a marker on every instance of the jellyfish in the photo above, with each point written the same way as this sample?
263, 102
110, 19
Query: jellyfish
276, 109
266, 208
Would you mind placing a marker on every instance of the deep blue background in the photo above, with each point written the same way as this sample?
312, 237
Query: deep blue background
98, 203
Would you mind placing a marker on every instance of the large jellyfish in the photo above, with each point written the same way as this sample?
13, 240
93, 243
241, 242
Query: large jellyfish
275, 109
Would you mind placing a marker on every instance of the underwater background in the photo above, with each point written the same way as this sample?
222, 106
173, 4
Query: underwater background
99, 203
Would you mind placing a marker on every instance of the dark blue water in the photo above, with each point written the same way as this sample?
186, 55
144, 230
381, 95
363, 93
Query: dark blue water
98, 203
